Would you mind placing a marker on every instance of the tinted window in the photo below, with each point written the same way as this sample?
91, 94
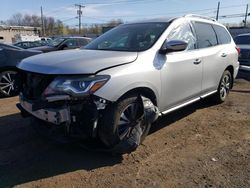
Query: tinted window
71, 43
183, 32
206, 36
242, 39
83, 42
129, 37
222, 34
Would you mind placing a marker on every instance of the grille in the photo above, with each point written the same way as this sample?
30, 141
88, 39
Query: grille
33, 85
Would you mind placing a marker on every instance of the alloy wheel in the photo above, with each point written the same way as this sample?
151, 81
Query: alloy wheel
7, 83
225, 86
129, 118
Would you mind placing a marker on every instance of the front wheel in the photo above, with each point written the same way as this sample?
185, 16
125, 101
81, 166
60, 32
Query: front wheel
224, 87
7, 83
123, 127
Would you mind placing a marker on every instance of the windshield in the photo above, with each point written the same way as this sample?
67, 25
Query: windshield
242, 40
129, 37
56, 42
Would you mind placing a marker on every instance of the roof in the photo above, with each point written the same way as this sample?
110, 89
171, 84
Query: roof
170, 19
72, 37
155, 20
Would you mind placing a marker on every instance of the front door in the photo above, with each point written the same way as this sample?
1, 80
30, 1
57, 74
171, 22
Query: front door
182, 73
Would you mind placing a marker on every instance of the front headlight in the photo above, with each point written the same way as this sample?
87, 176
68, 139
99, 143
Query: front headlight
75, 86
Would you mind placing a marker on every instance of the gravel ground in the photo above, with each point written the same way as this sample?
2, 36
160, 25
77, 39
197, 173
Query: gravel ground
202, 145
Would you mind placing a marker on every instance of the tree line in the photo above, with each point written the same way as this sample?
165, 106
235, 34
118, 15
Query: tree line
55, 26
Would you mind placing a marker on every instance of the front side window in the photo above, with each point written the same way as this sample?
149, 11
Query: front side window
57, 42
205, 34
83, 42
129, 37
71, 43
183, 32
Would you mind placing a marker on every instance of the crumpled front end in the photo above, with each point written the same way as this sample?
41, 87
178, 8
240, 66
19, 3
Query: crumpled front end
77, 116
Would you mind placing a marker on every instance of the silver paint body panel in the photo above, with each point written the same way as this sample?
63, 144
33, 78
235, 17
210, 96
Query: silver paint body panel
174, 78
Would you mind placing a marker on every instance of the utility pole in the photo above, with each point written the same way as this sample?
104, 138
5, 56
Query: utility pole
245, 21
42, 21
218, 11
79, 12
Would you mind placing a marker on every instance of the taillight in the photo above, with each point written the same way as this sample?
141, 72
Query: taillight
238, 50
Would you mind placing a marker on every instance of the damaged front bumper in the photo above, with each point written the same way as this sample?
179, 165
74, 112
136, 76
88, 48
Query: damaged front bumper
50, 115
77, 116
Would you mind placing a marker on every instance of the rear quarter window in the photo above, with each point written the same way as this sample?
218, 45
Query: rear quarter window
205, 34
222, 34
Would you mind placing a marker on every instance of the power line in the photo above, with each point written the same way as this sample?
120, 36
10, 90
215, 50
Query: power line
79, 12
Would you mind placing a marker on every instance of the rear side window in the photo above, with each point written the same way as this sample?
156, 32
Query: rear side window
206, 36
222, 34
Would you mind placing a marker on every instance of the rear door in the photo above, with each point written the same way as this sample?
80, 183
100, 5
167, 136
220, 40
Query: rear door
213, 55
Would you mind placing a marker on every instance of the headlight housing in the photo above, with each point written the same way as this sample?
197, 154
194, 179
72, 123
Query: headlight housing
76, 86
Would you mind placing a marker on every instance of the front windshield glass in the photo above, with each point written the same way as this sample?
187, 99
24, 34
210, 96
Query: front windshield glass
56, 42
129, 37
242, 40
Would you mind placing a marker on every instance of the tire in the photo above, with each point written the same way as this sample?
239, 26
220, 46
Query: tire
116, 130
223, 88
8, 87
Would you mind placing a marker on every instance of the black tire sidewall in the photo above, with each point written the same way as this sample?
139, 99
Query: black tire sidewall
108, 127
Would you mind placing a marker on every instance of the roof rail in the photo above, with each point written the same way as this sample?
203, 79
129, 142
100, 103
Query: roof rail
199, 16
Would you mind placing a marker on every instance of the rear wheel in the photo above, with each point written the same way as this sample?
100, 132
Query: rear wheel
224, 87
123, 126
7, 83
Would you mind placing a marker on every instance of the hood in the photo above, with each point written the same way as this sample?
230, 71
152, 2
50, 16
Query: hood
244, 46
76, 61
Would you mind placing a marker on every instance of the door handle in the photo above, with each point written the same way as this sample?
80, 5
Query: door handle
197, 61
223, 55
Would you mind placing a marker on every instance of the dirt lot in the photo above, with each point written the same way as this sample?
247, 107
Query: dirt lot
202, 145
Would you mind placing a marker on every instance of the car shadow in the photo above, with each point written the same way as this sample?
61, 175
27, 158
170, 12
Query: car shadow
26, 157
179, 114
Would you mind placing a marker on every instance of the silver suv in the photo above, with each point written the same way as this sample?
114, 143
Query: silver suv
117, 86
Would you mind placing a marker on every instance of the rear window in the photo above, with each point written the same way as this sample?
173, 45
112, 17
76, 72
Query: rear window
242, 39
222, 34
206, 36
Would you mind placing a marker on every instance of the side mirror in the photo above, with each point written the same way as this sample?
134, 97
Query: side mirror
173, 46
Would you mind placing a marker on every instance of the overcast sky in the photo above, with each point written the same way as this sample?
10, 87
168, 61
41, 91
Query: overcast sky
97, 11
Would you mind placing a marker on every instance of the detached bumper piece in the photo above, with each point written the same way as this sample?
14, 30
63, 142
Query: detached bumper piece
55, 116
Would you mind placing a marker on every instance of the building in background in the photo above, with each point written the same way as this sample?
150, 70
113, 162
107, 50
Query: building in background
11, 34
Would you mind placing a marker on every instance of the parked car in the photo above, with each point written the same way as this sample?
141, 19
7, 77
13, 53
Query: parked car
30, 44
243, 42
10, 56
120, 83
64, 43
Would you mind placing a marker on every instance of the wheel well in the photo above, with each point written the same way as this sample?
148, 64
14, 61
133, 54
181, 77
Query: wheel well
231, 70
147, 92
8, 69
